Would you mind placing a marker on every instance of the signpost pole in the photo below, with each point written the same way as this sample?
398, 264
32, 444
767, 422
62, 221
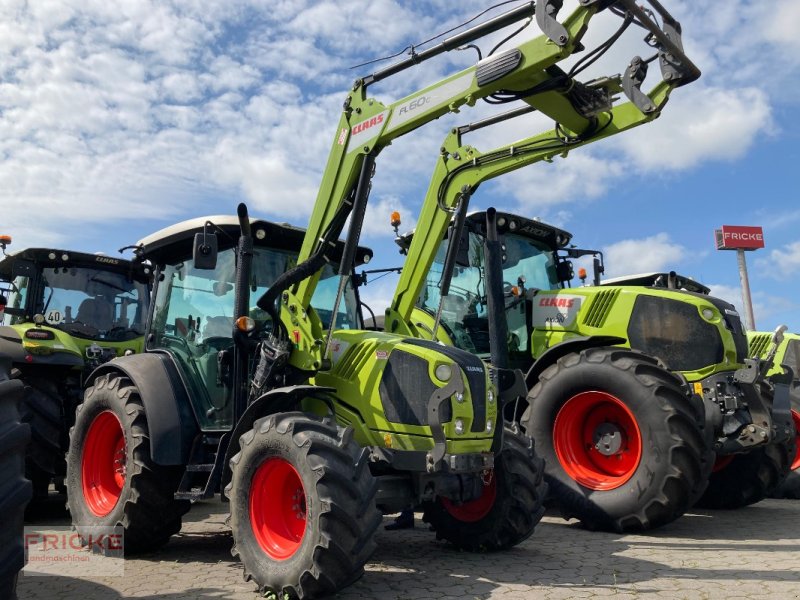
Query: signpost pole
749, 320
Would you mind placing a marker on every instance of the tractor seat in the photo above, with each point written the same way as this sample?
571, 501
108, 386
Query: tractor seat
97, 313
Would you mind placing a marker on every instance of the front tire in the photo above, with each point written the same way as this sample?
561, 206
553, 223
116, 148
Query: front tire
511, 506
624, 444
111, 479
15, 490
303, 511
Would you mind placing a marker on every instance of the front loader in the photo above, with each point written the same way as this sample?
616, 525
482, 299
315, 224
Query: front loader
66, 313
633, 385
330, 426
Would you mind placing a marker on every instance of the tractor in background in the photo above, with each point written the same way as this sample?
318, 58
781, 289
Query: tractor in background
786, 356
65, 313
634, 386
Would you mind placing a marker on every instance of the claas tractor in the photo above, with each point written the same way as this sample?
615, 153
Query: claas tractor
786, 363
316, 425
65, 313
642, 398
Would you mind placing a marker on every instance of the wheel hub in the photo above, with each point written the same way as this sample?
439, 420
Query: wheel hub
608, 439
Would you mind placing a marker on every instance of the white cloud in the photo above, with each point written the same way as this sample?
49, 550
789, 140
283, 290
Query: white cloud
145, 108
654, 253
700, 124
781, 262
781, 25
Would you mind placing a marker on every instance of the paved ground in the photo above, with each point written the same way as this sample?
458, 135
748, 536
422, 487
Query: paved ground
747, 554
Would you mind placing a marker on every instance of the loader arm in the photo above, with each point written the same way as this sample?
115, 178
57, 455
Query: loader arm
462, 168
527, 72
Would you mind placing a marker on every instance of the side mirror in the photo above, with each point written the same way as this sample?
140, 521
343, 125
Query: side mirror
204, 251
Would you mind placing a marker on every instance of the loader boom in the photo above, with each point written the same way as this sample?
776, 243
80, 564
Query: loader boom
528, 73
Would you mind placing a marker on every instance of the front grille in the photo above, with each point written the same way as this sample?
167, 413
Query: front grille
600, 308
674, 332
475, 370
406, 388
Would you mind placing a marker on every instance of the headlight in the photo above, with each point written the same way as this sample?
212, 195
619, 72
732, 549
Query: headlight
459, 425
490, 397
444, 372
707, 313
459, 397
489, 426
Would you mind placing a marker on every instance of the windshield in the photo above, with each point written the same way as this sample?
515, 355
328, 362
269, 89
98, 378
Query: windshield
85, 302
193, 319
526, 264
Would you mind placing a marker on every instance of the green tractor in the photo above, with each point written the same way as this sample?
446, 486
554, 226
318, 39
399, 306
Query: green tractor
787, 356
65, 313
15, 490
632, 387
312, 425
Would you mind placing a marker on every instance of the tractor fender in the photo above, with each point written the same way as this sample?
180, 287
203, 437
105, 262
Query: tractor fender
274, 401
570, 346
171, 422
11, 346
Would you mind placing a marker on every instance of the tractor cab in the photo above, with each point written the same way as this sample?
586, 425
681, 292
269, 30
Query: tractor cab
92, 297
194, 317
530, 263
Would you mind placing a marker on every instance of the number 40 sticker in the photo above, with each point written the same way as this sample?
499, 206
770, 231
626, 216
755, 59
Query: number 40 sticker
53, 317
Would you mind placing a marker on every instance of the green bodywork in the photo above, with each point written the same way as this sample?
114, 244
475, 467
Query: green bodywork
787, 353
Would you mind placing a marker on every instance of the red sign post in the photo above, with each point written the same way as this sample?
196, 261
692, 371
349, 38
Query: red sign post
741, 238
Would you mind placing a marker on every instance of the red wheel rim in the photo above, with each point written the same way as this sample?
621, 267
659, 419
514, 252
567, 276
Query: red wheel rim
796, 419
278, 508
103, 464
597, 440
474, 510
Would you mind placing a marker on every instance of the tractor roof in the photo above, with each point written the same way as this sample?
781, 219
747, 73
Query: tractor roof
53, 257
660, 279
176, 241
509, 223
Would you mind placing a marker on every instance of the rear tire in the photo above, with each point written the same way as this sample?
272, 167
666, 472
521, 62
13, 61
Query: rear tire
15, 490
747, 478
302, 503
510, 508
625, 446
111, 479
43, 409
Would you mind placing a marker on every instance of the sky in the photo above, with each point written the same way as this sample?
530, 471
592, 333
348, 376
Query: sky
120, 118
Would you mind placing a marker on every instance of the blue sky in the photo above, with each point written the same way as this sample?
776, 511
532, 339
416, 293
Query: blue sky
120, 118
